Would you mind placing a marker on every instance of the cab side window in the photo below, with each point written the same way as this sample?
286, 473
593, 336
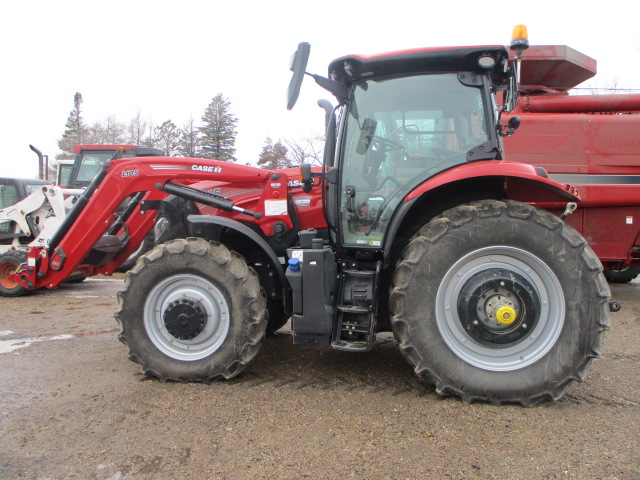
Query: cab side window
8, 195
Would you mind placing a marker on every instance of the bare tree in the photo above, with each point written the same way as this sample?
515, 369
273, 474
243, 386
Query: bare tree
107, 131
306, 150
188, 144
610, 87
168, 137
138, 130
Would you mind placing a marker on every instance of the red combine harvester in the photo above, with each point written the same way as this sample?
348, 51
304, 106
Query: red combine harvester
590, 141
416, 224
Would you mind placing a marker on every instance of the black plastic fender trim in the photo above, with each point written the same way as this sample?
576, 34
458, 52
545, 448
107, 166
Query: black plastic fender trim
259, 241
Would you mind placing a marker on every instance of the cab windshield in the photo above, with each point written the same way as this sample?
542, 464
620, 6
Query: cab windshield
399, 132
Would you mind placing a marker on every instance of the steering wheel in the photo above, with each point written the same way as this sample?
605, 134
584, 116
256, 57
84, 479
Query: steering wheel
385, 145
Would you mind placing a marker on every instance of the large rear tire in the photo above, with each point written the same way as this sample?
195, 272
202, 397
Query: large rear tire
192, 310
9, 262
499, 302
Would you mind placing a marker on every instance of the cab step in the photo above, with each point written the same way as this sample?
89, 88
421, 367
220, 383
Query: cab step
356, 319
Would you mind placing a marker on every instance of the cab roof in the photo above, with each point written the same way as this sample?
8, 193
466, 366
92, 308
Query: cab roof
414, 61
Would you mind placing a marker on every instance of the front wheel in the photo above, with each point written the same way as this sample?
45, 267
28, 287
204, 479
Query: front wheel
499, 302
192, 310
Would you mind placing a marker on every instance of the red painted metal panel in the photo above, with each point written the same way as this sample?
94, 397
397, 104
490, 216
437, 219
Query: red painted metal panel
518, 177
554, 67
597, 149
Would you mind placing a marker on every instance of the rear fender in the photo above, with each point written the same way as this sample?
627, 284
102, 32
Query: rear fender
259, 255
469, 182
522, 182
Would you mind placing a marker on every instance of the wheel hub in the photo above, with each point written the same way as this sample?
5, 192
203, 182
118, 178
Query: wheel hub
497, 306
184, 319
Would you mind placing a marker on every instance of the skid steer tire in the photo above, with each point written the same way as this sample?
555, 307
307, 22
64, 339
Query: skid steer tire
192, 310
9, 262
499, 302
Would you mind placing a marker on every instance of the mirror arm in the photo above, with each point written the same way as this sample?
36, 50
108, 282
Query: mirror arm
336, 88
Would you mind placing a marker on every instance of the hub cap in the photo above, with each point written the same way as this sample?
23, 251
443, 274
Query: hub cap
6, 270
186, 317
500, 308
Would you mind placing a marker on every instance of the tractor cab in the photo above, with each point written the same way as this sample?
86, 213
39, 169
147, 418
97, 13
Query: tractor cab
404, 117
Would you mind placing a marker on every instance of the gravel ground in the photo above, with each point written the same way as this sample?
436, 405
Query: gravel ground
73, 407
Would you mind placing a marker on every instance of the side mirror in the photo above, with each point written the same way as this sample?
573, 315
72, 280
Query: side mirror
512, 125
298, 66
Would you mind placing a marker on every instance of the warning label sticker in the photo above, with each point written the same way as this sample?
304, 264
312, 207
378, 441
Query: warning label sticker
275, 207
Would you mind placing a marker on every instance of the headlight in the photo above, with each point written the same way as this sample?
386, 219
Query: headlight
161, 227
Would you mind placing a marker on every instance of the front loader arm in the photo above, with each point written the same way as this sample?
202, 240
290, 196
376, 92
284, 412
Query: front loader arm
94, 214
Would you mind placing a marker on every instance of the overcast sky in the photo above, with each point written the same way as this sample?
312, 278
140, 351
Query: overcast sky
168, 59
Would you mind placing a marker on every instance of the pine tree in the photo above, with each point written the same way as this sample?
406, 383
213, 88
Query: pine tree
75, 130
273, 155
218, 132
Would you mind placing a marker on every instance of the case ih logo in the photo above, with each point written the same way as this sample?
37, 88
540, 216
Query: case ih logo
298, 183
204, 168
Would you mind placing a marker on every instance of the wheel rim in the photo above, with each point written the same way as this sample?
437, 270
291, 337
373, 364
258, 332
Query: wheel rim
522, 293
6, 270
187, 317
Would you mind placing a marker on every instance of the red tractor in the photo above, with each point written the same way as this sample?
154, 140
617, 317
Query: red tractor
414, 224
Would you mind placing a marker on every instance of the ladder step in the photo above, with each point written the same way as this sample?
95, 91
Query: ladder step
360, 273
358, 346
353, 309
347, 327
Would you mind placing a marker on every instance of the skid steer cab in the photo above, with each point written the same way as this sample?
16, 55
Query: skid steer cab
416, 223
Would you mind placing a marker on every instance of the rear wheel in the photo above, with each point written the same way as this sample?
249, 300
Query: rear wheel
9, 262
192, 310
499, 302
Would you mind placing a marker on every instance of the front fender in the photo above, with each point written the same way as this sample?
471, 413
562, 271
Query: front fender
243, 240
522, 182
